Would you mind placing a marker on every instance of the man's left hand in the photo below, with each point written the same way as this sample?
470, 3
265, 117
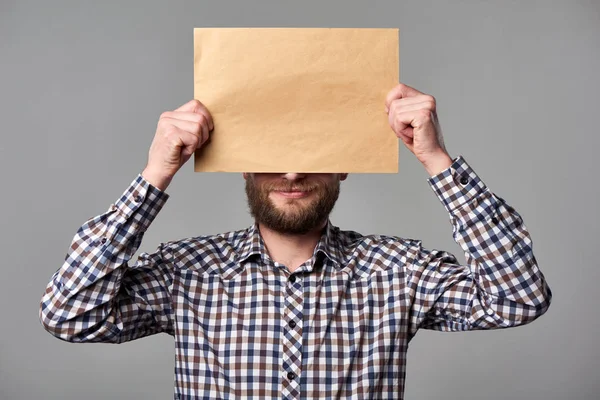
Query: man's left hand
412, 116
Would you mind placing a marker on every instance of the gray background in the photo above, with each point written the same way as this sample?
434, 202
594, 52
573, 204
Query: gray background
82, 85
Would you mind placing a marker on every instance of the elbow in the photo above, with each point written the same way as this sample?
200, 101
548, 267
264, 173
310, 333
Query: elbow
74, 330
534, 309
52, 322
532, 313
534, 297
507, 313
74, 326
53, 326
544, 301
52, 312
539, 301
57, 319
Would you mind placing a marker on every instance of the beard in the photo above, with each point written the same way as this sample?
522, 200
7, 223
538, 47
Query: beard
300, 216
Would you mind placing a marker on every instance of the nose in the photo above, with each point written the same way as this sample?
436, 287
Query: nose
293, 176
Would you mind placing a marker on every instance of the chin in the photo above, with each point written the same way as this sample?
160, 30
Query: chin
284, 202
290, 210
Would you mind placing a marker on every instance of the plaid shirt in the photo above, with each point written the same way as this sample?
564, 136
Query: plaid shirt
338, 327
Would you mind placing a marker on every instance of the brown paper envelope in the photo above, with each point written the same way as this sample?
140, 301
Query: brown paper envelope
297, 99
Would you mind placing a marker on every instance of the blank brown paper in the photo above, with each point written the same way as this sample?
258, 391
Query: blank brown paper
297, 99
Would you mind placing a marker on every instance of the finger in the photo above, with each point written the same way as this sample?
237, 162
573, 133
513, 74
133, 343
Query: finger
196, 106
402, 131
423, 98
398, 107
204, 111
187, 149
399, 92
185, 116
181, 137
187, 126
405, 138
201, 133
190, 106
173, 116
189, 143
397, 125
180, 141
204, 135
413, 119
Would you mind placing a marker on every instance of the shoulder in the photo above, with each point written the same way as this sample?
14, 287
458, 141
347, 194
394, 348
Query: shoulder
366, 254
218, 240
211, 253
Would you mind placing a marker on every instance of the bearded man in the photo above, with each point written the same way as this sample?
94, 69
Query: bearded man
294, 307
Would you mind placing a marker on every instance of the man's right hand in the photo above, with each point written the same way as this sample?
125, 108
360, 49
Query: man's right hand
179, 134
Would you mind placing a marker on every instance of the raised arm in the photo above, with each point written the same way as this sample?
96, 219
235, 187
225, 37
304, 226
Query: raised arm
98, 295
501, 285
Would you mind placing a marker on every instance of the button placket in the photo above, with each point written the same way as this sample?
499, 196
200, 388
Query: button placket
292, 336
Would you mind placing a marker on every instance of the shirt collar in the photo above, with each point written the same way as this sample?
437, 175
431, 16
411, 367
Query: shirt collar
251, 244
328, 245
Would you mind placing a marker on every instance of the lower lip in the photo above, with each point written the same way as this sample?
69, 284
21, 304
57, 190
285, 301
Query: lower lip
293, 195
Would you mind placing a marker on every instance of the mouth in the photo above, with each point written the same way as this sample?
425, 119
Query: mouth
292, 194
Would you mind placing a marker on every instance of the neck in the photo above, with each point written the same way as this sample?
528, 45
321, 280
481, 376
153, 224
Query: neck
291, 250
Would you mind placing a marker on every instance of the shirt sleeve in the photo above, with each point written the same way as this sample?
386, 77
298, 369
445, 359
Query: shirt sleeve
501, 286
96, 296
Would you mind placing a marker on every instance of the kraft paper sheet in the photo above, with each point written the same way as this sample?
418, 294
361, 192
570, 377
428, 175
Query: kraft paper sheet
297, 99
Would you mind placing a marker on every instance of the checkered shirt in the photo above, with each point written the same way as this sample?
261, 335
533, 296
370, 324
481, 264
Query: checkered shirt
336, 328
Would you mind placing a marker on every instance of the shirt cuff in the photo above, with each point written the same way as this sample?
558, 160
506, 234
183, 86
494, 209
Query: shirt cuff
141, 201
457, 185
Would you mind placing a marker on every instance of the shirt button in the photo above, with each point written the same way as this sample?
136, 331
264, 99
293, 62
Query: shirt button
291, 376
494, 220
292, 324
138, 199
103, 240
293, 278
464, 180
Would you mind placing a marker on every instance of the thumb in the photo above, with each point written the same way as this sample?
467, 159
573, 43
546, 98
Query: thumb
191, 106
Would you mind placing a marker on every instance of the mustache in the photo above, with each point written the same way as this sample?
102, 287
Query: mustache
292, 187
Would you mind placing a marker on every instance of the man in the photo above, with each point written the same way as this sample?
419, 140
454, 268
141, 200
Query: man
294, 307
